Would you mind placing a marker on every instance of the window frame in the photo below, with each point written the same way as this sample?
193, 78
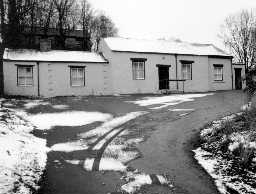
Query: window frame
222, 72
26, 77
138, 61
182, 66
77, 67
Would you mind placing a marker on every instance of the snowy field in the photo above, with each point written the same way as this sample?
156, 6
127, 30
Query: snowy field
22, 155
228, 175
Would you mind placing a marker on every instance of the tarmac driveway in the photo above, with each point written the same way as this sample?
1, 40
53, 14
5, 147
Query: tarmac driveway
161, 139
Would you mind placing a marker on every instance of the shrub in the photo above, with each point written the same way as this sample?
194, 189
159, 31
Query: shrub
244, 154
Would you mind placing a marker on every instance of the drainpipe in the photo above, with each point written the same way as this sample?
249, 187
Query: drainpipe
38, 80
232, 74
176, 67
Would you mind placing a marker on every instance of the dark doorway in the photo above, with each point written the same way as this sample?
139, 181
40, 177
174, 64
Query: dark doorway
238, 78
163, 74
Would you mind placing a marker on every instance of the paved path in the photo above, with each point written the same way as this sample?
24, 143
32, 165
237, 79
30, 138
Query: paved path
167, 150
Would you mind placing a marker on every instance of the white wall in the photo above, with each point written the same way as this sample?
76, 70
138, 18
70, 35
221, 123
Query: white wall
10, 80
226, 84
55, 79
199, 82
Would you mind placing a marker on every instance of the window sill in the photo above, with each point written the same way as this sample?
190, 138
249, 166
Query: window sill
23, 86
138, 79
77, 86
218, 81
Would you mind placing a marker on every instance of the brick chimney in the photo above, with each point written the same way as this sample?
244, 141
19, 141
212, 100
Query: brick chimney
45, 45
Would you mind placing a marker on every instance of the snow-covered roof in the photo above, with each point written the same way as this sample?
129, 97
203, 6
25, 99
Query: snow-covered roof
52, 56
163, 46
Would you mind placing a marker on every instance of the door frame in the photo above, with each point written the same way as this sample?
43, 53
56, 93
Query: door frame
166, 66
241, 84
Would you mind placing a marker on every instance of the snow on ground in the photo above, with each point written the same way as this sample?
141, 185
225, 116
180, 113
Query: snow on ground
45, 121
227, 175
136, 180
216, 124
170, 100
247, 106
70, 146
217, 167
22, 155
116, 155
181, 109
208, 162
60, 106
34, 103
111, 124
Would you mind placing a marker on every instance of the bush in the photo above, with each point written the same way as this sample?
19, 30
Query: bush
245, 154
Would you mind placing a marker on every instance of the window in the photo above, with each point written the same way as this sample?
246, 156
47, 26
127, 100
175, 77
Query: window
138, 69
77, 76
186, 70
218, 72
24, 75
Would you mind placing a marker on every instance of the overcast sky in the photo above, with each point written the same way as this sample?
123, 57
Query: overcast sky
189, 20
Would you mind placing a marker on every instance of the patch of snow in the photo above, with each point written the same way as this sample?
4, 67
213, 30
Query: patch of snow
209, 163
217, 167
119, 153
46, 121
166, 101
88, 164
53, 55
22, 155
216, 124
180, 109
163, 180
184, 114
99, 145
70, 146
74, 162
107, 164
135, 140
162, 46
60, 106
138, 181
111, 124
247, 106
34, 103
233, 146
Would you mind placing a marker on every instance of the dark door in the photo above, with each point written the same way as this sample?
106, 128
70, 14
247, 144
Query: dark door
238, 78
163, 73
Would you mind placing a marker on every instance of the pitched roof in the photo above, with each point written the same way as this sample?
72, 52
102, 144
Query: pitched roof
53, 56
163, 46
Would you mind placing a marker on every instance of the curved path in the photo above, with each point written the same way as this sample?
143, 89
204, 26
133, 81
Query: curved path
167, 149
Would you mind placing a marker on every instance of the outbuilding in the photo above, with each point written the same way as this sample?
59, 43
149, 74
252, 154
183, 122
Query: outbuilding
53, 73
146, 66
122, 66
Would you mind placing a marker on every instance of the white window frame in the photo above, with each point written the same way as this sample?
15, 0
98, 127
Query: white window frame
74, 71
138, 69
218, 72
28, 80
186, 71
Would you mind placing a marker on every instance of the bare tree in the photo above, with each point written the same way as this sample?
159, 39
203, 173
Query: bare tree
64, 10
86, 21
103, 27
238, 34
